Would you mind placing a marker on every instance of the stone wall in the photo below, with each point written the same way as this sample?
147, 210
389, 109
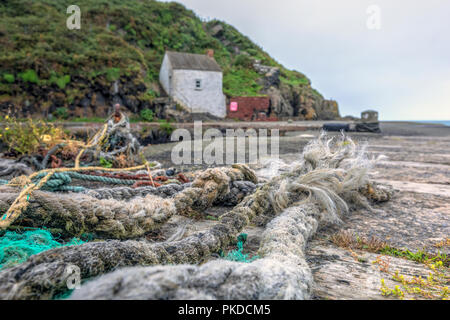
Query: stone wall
251, 108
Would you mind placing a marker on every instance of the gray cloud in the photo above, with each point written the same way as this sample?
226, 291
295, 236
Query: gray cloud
402, 70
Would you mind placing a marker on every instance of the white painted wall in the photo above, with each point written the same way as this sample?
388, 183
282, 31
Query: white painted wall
180, 85
165, 74
209, 98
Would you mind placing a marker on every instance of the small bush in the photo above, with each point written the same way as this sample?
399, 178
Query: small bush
29, 76
26, 137
9, 77
243, 60
61, 113
148, 95
61, 82
152, 93
147, 115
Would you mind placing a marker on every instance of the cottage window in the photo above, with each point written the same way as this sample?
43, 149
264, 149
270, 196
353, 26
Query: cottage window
198, 84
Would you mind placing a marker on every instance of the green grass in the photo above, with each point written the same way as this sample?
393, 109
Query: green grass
166, 126
295, 81
420, 256
294, 78
241, 82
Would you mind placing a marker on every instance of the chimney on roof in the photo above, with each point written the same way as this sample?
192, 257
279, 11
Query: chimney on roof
210, 53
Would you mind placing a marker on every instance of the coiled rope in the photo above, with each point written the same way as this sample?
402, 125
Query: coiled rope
30, 184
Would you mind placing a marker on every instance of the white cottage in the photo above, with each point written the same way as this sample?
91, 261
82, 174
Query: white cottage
194, 81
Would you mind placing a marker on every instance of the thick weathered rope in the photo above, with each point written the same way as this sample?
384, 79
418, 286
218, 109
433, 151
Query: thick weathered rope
127, 193
75, 215
330, 190
209, 186
21, 201
280, 272
66, 178
29, 187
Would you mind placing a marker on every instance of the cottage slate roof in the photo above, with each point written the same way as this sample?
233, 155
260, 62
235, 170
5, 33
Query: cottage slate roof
192, 61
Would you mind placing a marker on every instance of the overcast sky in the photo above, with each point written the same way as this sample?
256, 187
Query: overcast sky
402, 70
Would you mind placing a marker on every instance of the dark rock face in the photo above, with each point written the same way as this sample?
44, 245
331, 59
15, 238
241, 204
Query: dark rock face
305, 104
298, 102
278, 102
272, 78
81, 98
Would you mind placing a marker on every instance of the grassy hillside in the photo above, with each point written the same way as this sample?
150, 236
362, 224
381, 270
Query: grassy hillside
44, 66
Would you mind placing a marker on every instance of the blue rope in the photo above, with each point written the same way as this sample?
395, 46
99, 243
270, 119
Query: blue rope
67, 178
60, 181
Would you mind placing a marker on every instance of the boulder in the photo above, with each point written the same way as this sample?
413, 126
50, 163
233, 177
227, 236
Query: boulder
217, 30
280, 106
327, 110
272, 78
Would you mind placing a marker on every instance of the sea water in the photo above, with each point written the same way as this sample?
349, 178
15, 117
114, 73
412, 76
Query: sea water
444, 122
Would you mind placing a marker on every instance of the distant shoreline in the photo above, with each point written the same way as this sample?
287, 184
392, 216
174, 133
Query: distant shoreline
441, 122
414, 128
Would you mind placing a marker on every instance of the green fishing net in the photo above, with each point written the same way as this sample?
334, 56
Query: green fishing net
237, 255
16, 247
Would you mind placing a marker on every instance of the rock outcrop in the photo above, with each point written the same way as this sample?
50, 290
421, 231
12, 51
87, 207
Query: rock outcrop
300, 102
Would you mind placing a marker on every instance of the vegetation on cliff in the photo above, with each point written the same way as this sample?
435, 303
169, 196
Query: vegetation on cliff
117, 54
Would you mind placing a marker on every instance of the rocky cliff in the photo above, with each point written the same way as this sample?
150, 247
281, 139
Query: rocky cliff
47, 69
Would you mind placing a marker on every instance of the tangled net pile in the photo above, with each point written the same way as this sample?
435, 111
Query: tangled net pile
329, 179
114, 144
17, 247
